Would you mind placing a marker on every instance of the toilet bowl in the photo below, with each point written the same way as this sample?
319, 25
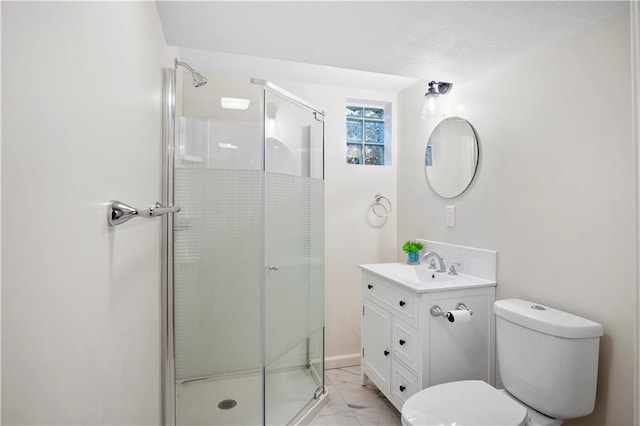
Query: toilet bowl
548, 363
470, 402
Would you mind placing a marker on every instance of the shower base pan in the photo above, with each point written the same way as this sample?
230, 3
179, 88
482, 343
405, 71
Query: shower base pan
237, 399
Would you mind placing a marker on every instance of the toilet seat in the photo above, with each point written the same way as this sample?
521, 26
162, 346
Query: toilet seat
469, 402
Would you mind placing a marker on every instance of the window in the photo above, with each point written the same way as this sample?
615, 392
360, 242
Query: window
366, 135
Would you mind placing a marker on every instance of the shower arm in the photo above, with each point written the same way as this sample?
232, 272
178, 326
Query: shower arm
184, 64
198, 79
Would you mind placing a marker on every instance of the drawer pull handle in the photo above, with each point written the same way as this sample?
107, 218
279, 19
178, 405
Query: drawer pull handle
402, 388
402, 342
369, 286
386, 353
402, 303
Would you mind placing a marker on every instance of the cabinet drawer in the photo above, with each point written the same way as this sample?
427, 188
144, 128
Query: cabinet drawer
405, 343
405, 305
404, 382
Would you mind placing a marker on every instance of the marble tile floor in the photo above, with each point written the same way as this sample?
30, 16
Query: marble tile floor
353, 404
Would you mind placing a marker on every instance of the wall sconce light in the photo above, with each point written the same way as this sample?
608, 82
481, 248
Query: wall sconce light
430, 107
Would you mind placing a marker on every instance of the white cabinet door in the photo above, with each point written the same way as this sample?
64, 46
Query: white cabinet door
376, 335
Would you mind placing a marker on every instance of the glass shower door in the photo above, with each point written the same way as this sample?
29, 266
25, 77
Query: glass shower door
218, 256
246, 303
294, 258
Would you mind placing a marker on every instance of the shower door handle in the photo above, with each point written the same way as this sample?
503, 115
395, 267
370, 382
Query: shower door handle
119, 212
159, 209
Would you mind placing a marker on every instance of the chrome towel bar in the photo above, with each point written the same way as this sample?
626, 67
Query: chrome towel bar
119, 212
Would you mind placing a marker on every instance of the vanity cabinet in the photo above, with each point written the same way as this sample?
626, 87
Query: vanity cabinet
405, 348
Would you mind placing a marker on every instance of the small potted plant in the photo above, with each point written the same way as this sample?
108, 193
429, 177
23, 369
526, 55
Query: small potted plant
412, 248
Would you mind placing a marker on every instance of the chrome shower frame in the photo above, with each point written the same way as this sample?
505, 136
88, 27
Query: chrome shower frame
167, 376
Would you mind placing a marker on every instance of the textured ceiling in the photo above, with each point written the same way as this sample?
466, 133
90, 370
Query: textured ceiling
451, 41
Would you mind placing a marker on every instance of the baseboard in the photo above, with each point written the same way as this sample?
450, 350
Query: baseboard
340, 361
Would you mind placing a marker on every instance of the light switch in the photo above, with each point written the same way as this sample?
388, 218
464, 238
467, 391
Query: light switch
451, 216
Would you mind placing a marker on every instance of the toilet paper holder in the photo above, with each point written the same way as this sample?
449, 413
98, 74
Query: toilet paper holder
437, 311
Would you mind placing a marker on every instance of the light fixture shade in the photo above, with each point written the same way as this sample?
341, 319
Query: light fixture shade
431, 107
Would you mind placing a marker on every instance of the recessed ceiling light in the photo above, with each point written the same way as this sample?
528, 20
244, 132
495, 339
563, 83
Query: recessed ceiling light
234, 103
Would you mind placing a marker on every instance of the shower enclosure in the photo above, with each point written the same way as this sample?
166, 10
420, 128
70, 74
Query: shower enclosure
244, 278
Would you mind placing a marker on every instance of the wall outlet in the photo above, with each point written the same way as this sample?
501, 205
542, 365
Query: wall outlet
451, 216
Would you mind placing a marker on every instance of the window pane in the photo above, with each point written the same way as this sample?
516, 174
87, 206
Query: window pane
374, 155
354, 111
354, 154
376, 113
354, 131
374, 131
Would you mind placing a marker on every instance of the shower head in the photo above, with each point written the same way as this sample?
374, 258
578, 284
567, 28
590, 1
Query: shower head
198, 79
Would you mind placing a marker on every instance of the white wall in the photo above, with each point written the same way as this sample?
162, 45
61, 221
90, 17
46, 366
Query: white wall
554, 194
81, 86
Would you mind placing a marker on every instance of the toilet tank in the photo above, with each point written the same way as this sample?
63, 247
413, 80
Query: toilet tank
547, 358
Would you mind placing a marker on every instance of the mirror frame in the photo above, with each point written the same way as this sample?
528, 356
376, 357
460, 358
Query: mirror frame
477, 160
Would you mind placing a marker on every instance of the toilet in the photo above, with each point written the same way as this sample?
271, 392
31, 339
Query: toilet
548, 363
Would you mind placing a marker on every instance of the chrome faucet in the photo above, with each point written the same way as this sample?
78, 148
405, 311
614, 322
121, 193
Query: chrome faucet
441, 265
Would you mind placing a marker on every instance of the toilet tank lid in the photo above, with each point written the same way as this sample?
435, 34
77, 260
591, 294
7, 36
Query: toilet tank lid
546, 320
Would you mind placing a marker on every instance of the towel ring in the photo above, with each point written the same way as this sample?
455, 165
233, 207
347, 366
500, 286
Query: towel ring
378, 201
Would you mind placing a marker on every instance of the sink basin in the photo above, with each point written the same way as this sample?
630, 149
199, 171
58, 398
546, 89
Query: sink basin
427, 275
419, 275
422, 279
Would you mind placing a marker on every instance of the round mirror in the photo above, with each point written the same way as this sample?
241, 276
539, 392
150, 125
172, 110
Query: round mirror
451, 159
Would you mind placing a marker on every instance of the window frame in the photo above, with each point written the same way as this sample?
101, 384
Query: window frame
387, 142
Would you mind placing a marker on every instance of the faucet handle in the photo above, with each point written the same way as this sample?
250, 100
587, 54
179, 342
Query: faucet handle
453, 269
